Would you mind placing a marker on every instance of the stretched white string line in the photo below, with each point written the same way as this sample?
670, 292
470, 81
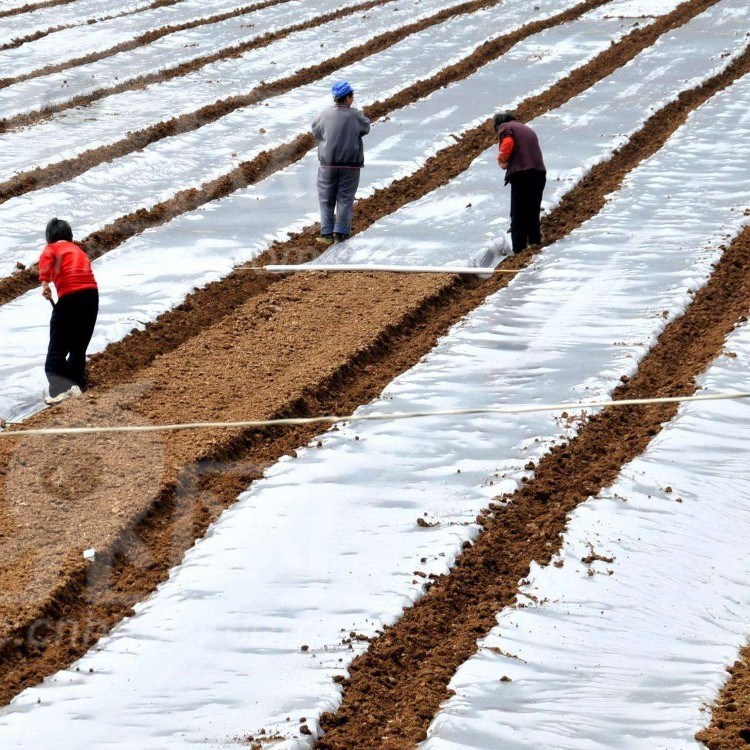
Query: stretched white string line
363, 267
332, 419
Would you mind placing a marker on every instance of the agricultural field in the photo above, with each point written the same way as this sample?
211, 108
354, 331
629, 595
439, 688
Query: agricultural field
480, 548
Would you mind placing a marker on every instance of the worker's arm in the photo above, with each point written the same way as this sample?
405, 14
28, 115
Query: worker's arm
507, 144
46, 264
364, 124
317, 129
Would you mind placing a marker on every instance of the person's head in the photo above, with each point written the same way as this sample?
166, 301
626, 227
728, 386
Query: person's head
343, 93
501, 118
57, 230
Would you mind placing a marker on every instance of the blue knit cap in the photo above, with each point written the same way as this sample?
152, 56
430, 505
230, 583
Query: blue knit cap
341, 89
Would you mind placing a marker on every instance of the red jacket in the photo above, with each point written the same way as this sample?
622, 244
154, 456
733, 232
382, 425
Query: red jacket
67, 267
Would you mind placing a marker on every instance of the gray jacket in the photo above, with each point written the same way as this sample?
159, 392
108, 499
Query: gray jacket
338, 131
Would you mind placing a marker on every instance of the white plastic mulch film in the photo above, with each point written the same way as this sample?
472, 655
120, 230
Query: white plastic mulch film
188, 160
203, 245
327, 543
627, 651
57, 18
87, 39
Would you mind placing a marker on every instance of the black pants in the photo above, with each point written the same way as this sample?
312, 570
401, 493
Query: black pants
70, 331
526, 189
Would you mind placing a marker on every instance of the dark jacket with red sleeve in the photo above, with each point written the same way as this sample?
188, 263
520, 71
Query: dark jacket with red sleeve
525, 152
67, 267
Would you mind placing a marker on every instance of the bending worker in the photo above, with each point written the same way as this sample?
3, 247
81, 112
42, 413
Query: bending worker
338, 131
521, 158
73, 316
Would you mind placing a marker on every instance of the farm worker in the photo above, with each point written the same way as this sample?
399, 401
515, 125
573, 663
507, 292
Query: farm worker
73, 316
338, 131
521, 158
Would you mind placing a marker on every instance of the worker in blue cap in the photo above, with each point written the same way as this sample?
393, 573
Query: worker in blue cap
338, 131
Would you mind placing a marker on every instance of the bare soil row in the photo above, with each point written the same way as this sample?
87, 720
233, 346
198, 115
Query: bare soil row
730, 720
305, 345
138, 41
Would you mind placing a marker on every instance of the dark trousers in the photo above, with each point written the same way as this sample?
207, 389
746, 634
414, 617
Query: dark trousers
70, 331
526, 189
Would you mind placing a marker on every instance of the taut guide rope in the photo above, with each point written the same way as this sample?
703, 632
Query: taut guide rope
333, 419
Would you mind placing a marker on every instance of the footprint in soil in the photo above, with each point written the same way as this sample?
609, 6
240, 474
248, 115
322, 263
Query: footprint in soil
76, 476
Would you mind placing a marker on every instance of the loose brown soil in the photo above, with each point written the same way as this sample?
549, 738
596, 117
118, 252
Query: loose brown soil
266, 343
438, 170
730, 721
139, 41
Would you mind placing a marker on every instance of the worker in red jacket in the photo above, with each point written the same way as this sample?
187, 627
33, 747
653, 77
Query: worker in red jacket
521, 157
73, 316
